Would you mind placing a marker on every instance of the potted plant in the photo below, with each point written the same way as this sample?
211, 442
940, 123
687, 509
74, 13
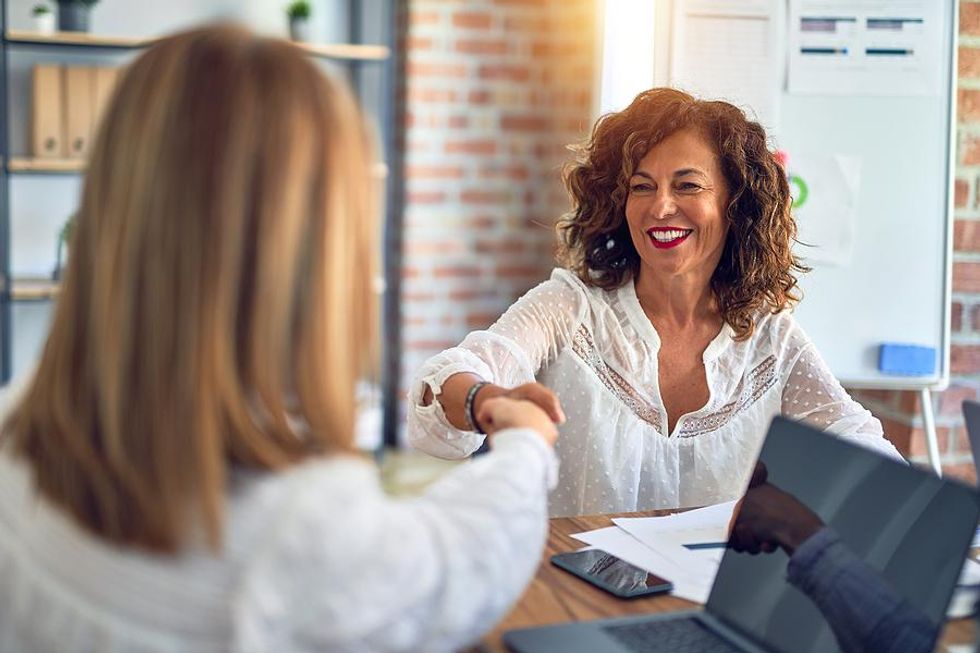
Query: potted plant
73, 15
61, 248
43, 19
299, 20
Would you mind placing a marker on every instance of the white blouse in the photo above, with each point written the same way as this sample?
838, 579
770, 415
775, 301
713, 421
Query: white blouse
597, 351
316, 559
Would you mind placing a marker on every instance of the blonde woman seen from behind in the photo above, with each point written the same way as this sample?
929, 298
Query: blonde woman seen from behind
179, 474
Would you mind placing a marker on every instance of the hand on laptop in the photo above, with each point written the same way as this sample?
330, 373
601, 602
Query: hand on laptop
500, 413
767, 518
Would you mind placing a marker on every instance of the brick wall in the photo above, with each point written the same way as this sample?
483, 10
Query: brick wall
495, 90
899, 411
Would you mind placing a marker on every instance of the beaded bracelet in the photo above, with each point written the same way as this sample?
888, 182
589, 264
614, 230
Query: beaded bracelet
468, 407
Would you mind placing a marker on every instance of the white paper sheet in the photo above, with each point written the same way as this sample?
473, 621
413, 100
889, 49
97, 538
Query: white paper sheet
730, 50
691, 579
865, 47
825, 196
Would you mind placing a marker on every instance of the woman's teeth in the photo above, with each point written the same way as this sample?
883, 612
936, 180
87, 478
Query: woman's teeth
667, 236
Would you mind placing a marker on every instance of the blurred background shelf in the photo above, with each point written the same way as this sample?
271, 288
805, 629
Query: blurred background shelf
346, 51
31, 164
29, 289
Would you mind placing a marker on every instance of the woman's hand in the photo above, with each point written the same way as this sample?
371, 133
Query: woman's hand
536, 393
500, 413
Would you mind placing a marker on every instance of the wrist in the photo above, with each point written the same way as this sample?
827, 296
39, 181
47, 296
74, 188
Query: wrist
471, 408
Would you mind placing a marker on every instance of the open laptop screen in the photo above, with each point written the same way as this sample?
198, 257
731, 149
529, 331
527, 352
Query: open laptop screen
910, 526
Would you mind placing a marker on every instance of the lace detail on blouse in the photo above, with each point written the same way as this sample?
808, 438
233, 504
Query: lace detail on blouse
584, 347
754, 385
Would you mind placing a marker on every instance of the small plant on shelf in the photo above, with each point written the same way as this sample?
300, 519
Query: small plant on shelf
61, 253
43, 19
73, 15
299, 20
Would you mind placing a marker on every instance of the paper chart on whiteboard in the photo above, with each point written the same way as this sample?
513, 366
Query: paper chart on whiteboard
825, 194
864, 47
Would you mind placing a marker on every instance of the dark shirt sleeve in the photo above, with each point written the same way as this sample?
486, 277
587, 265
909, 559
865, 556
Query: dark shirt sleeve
862, 608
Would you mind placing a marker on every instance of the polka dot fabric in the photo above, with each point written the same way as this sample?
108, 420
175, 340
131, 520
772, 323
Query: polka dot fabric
598, 351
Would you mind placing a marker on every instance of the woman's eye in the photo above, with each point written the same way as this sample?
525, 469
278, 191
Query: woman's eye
687, 185
636, 188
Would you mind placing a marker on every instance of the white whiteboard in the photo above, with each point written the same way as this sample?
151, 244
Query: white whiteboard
895, 286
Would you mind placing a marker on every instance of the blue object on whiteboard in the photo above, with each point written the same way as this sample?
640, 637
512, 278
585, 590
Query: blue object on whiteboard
907, 360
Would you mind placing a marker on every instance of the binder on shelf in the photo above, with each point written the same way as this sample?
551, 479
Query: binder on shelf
78, 103
47, 135
104, 80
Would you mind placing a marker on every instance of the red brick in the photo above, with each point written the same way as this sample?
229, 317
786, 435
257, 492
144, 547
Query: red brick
970, 150
472, 19
483, 222
969, 18
956, 317
482, 46
966, 472
458, 122
967, 105
966, 235
898, 433
411, 273
515, 173
951, 399
433, 172
961, 193
966, 276
917, 444
964, 359
887, 398
439, 69
480, 97
481, 320
505, 72
542, 49
431, 95
959, 440
419, 43
484, 197
507, 246
425, 197
968, 62
482, 146
529, 123
423, 18
456, 271
418, 297
430, 248
908, 402
470, 295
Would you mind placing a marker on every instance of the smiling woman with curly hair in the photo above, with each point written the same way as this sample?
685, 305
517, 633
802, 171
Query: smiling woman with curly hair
666, 340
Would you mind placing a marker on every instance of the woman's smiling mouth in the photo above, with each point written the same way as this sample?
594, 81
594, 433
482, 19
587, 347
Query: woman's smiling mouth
667, 237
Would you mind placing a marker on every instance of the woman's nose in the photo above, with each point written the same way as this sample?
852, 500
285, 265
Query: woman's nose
664, 205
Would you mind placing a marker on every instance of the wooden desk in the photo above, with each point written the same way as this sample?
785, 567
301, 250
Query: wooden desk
555, 596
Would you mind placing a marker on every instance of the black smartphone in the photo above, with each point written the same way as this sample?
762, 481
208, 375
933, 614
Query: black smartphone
612, 574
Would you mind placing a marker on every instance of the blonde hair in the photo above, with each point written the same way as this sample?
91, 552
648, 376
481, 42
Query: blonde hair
218, 306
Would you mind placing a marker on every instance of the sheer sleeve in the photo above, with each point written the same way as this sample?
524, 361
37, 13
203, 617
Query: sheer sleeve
532, 332
353, 570
812, 394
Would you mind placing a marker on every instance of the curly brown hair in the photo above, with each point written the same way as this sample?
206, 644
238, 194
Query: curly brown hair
757, 266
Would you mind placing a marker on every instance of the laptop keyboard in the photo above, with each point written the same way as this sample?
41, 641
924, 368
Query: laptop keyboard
671, 635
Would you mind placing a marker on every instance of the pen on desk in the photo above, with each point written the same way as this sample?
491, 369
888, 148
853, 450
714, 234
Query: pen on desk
706, 545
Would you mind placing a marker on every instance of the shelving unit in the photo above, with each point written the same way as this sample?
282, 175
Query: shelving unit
372, 66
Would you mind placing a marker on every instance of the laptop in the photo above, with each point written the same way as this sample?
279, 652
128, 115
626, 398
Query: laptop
887, 512
971, 415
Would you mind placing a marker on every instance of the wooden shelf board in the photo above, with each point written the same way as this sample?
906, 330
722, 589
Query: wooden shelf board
28, 164
354, 52
26, 289
350, 51
76, 38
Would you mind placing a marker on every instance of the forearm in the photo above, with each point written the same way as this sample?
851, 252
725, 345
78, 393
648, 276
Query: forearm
453, 398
